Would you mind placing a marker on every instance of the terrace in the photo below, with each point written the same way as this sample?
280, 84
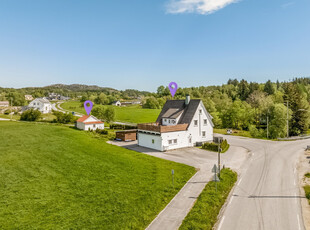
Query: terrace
156, 127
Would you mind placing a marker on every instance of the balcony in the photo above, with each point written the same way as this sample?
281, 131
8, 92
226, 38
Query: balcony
156, 127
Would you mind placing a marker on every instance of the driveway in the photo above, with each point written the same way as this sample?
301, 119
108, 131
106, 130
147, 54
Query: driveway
174, 213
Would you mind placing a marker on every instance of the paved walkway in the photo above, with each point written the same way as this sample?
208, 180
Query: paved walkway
172, 215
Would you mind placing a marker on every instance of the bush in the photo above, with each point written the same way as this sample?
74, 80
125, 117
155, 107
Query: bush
257, 133
209, 203
30, 115
214, 147
210, 146
111, 136
122, 127
307, 191
102, 131
64, 118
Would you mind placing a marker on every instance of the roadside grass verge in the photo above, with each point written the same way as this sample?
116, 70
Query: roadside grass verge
209, 203
131, 114
307, 191
56, 177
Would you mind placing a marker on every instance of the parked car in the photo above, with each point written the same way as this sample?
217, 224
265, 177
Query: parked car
229, 131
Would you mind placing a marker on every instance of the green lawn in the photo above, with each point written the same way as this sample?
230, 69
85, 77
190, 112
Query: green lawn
131, 114
241, 133
55, 177
209, 203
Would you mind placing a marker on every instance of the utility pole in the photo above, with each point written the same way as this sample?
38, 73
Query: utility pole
219, 157
11, 107
287, 119
267, 125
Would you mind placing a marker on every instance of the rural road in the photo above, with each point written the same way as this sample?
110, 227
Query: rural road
267, 193
172, 216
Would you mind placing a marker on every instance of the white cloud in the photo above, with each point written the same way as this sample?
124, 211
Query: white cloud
285, 5
197, 6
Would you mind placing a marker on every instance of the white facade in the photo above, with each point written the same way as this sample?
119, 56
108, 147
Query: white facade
199, 130
41, 104
89, 123
117, 103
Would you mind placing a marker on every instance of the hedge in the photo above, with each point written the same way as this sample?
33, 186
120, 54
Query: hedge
214, 147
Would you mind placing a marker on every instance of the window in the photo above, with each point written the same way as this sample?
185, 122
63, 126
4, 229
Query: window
165, 120
169, 121
200, 111
203, 133
195, 122
153, 141
173, 121
172, 142
94, 126
205, 121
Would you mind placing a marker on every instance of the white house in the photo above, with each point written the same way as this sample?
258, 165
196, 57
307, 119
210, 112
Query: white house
181, 123
89, 123
116, 103
41, 104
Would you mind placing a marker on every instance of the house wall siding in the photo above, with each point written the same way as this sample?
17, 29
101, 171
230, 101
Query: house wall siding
145, 140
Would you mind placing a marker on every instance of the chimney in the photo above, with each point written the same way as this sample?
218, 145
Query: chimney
187, 99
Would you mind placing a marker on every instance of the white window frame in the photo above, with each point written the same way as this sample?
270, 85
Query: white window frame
195, 123
203, 134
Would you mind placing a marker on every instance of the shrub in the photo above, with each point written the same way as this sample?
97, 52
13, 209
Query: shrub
123, 127
111, 136
64, 118
257, 133
102, 131
307, 175
307, 191
30, 115
214, 147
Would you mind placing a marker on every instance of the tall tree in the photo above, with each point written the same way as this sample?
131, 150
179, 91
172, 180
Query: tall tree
269, 88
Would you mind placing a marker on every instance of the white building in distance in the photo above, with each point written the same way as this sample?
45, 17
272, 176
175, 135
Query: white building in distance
89, 123
181, 123
41, 104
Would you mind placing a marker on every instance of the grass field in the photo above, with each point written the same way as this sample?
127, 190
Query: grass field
131, 114
209, 203
241, 133
55, 177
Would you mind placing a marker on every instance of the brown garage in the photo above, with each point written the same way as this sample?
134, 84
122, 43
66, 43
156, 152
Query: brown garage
127, 135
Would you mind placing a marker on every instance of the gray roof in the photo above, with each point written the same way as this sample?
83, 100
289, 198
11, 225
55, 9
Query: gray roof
188, 110
173, 108
42, 100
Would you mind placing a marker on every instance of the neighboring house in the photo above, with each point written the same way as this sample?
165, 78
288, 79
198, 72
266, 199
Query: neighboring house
28, 97
41, 104
116, 103
89, 123
181, 123
55, 97
4, 104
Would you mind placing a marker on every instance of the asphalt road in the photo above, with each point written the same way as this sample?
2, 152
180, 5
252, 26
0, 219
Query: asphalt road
267, 193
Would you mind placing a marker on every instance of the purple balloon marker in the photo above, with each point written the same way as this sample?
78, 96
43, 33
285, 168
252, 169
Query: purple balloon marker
88, 108
173, 88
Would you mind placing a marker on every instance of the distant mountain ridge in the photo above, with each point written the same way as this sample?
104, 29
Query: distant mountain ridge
80, 87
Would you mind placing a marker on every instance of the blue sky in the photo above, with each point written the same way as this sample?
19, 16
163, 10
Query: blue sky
143, 44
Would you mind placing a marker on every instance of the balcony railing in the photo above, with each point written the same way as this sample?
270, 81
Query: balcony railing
156, 127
